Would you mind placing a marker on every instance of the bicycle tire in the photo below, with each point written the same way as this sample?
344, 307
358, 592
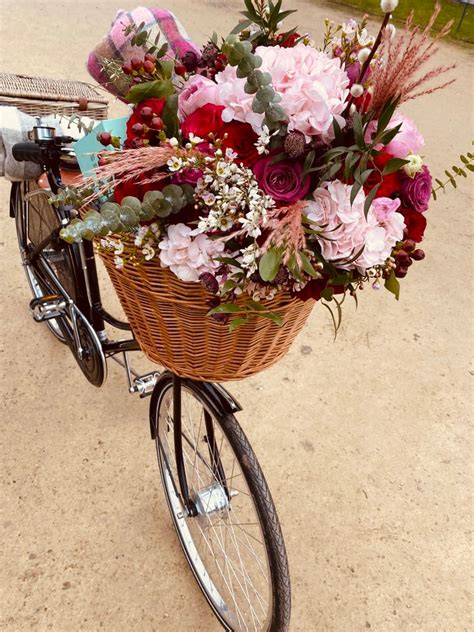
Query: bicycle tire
278, 616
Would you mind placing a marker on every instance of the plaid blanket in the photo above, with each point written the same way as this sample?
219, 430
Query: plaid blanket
116, 45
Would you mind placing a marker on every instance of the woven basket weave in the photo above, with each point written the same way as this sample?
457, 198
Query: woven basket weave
37, 96
168, 318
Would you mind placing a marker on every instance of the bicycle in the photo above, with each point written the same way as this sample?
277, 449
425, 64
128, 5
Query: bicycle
217, 495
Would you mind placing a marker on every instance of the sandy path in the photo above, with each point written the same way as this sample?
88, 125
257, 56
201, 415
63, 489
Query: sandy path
365, 442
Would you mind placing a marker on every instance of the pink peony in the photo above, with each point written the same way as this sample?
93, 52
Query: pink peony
197, 92
407, 141
348, 230
189, 256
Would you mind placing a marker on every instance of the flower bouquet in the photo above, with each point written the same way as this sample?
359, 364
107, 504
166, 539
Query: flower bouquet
258, 176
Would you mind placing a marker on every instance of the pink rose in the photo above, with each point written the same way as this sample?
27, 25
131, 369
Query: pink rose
197, 92
407, 141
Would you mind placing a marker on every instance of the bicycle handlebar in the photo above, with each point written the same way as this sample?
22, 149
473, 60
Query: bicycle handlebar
28, 152
40, 153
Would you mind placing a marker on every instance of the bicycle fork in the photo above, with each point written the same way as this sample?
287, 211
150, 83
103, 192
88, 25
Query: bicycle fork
217, 467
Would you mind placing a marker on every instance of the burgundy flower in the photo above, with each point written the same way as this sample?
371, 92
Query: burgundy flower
282, 180
416, 192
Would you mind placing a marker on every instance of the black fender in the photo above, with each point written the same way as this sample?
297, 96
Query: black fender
216, 397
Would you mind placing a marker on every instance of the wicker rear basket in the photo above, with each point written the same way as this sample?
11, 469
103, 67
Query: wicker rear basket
39, 97
168, 318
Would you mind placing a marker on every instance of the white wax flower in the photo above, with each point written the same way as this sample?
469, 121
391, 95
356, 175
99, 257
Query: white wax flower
414, 165
391, 30
388, 6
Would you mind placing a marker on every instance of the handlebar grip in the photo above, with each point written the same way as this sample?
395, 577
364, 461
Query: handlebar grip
28, 152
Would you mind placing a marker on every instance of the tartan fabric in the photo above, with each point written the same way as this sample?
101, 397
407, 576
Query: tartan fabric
116, 45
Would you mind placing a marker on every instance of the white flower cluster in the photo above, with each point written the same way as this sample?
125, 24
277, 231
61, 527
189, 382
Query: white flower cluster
145, 238
231, 198
117, 247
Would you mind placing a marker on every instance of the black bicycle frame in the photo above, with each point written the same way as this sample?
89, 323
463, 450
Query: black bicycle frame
89, 302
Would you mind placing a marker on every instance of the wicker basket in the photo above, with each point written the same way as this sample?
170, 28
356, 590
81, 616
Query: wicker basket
168, 318
39, 97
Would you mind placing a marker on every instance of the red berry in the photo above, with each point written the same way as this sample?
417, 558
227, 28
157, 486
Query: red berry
401, 272
409, 245
180, 69
127, 68
102, 162
137, 63
138, 129
146, 113
219, 65
104, 138
418, 254
157, 123
403, 259
150, 57
149, 67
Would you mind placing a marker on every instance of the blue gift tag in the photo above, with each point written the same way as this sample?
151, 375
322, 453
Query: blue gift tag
88, 147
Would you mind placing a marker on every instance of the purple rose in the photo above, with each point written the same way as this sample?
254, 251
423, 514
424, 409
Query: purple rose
416, 192
283, 180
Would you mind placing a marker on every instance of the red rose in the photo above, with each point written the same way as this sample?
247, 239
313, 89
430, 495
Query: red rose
389, 184
204, 121
288, 42
157, 106
241, 138
415, 224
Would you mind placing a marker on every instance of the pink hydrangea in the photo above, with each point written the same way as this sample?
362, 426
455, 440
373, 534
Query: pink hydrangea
313, 87
407, 141
196, 92
347, 230
189, 255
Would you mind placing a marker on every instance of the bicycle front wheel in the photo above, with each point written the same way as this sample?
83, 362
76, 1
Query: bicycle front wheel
234, 544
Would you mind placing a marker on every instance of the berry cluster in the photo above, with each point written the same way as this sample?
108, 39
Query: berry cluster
405, 257
141, 69
146, 130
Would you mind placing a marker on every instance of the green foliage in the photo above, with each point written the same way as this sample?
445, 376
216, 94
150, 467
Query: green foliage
244, 313
266, 100
265, 19
124, 217
392, 284
160, 88
269, 264
466, 165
